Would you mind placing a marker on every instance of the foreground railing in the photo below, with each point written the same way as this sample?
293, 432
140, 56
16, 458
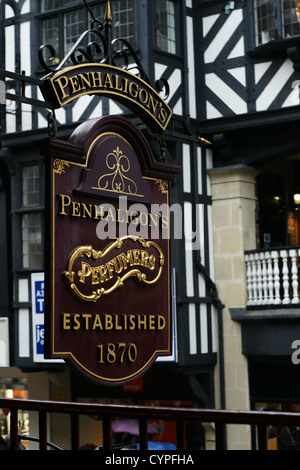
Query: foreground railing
260, 420
273, 277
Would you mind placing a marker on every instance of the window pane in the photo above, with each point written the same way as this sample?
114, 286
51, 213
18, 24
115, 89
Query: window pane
32, 240
74, 27
31, 191
50, 35
123, 18
70, 2
50, 5
47, 5
265, 21
291, 17
165, 26
98, 11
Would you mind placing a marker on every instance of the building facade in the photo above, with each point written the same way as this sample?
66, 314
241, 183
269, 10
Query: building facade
233, 78
250, 90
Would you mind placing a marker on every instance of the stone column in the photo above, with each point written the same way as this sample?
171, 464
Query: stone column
234, 231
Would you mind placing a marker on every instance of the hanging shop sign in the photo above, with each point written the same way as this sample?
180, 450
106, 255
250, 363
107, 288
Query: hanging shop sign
112, 82
108, 305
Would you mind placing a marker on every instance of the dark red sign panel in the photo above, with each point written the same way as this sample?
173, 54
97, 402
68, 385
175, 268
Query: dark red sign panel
108, 299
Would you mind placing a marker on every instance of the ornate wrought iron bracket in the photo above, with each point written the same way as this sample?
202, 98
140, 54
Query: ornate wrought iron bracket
94, 46
23, 79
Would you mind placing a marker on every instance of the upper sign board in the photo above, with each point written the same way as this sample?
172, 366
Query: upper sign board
112, 82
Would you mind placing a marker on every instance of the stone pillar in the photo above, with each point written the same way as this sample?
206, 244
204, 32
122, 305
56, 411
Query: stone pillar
234, 231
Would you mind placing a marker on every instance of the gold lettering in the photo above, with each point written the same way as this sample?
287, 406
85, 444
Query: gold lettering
151, 322
66, 321
76, 321
133, 89
75, 85
95, 276
142, 321
103, 273
85, 272
136, 257
64, 204
62, 86
97, 82
161, 322
144, 258
107, 82
117, 83
151, 219
151, 262
162, 116
108, 322
152, 104
132, 322
110, 268
99, 211
144, 219
141, 93
85, 80
127, 259
86, 317
117, 326
97, 323
118, 218
134, 217
67, 206
76, 209
118, 269
126, 81
110, 215
165, 222
86, 211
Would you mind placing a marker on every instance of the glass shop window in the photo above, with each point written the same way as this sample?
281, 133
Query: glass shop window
165, 26
31, 220
276, 19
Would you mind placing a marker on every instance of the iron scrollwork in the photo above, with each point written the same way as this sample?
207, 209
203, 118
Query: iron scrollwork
100, 50
77, 54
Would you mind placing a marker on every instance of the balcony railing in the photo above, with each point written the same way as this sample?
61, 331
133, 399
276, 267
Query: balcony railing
273, 277
260, 421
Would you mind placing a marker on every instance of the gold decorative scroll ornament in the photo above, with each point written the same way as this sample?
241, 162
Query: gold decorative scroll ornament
116, 181
114, 272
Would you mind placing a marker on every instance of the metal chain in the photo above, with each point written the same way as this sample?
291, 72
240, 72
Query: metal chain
162, 143
52, 128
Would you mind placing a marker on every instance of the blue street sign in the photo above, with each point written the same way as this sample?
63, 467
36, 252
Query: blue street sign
39, 296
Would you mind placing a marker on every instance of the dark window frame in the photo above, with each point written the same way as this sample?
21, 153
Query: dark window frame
178, 29
21, 210
279, 24
279, 45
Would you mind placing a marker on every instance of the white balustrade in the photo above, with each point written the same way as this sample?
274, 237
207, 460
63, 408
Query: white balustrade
273, 277
294, 271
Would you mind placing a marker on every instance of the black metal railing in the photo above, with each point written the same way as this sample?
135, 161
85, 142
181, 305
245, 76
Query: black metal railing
259, 420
